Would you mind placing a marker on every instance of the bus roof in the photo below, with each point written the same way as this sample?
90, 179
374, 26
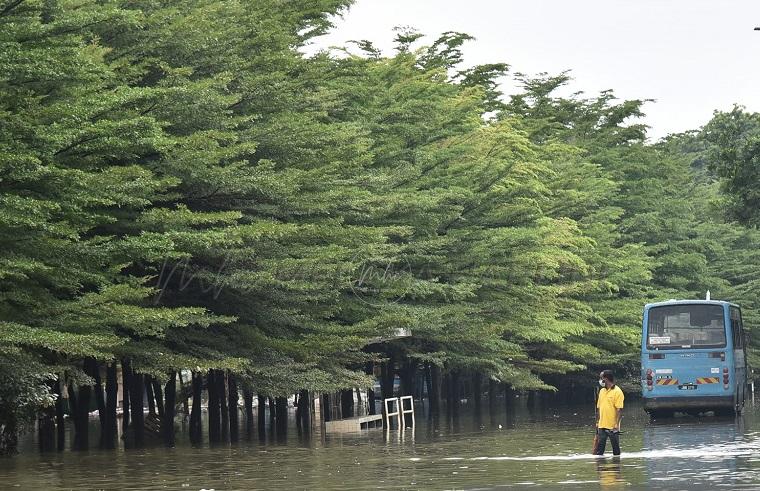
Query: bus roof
689, 302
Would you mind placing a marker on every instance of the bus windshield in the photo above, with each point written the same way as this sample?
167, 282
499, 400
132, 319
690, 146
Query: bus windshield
686, 326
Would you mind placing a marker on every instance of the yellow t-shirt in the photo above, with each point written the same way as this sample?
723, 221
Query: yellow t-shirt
610, 400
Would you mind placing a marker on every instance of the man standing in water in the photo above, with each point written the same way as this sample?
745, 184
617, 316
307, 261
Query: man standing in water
610, 406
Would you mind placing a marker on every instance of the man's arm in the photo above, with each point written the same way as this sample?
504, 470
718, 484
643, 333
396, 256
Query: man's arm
618, 416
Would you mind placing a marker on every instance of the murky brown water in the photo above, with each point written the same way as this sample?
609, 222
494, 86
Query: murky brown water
545, 450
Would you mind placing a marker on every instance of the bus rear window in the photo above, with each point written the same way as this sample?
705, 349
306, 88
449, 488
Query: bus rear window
686, 326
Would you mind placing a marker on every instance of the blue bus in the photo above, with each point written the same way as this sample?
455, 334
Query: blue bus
693, 358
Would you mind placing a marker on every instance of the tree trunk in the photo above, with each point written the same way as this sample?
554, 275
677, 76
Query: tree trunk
112, 389
477, 391
185, 398
407, 373
9, 437
387, 377
272, 413
167, 418
80, 402
454, 394
262, 417
126, 384
325, 403
149, 395
224, 410
233, 407
94, 370
248, 406
196, 430
159, 393
281, 404
214, 408
46, 425
369, 369
136, 406
509, 404
304, 405
449, 395
59, 421
434, 394
347, 403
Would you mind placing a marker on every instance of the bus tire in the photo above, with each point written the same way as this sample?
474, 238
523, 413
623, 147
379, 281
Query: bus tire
661, 414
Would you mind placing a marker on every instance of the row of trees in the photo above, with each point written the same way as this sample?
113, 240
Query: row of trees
183, 189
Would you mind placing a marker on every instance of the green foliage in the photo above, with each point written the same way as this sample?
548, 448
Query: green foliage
183, 188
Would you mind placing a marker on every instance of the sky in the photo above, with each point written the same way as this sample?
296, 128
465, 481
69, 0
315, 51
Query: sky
691, 56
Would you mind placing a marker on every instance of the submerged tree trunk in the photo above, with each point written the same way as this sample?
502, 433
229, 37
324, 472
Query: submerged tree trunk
262, 418
112, 389
477, 391
369, 369
454, 394
126, 384
149, 395
272, 413
214, 421
224, 410
136, 406
46, 424
9, 436
94, 371
449, 395
185, 397
167, 418
80, 404
407, 375
248, 405
232, 402
59, 421
434, 391
196, 430
304, 415
387, 377
325, 404
281, 404
347, 403
159, 393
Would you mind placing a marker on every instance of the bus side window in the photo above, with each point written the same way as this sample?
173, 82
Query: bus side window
737, 332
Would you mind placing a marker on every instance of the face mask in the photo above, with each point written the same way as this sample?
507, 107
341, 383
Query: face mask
601, 383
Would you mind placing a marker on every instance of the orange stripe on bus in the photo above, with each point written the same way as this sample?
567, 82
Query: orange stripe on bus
667, 381
708, 380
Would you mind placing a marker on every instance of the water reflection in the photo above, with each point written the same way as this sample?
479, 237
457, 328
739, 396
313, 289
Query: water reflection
610, 473
516, 448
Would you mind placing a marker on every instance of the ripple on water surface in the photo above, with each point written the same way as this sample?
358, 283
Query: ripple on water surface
504, 450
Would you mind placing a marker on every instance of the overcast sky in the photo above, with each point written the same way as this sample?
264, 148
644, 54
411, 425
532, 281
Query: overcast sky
692, 56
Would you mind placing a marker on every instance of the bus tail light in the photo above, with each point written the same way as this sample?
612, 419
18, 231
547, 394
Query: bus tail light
650, 382
725, 378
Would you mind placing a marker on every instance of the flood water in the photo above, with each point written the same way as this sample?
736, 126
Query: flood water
540, 449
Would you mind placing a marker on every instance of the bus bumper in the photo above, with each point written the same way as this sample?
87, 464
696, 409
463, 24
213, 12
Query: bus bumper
678, 403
